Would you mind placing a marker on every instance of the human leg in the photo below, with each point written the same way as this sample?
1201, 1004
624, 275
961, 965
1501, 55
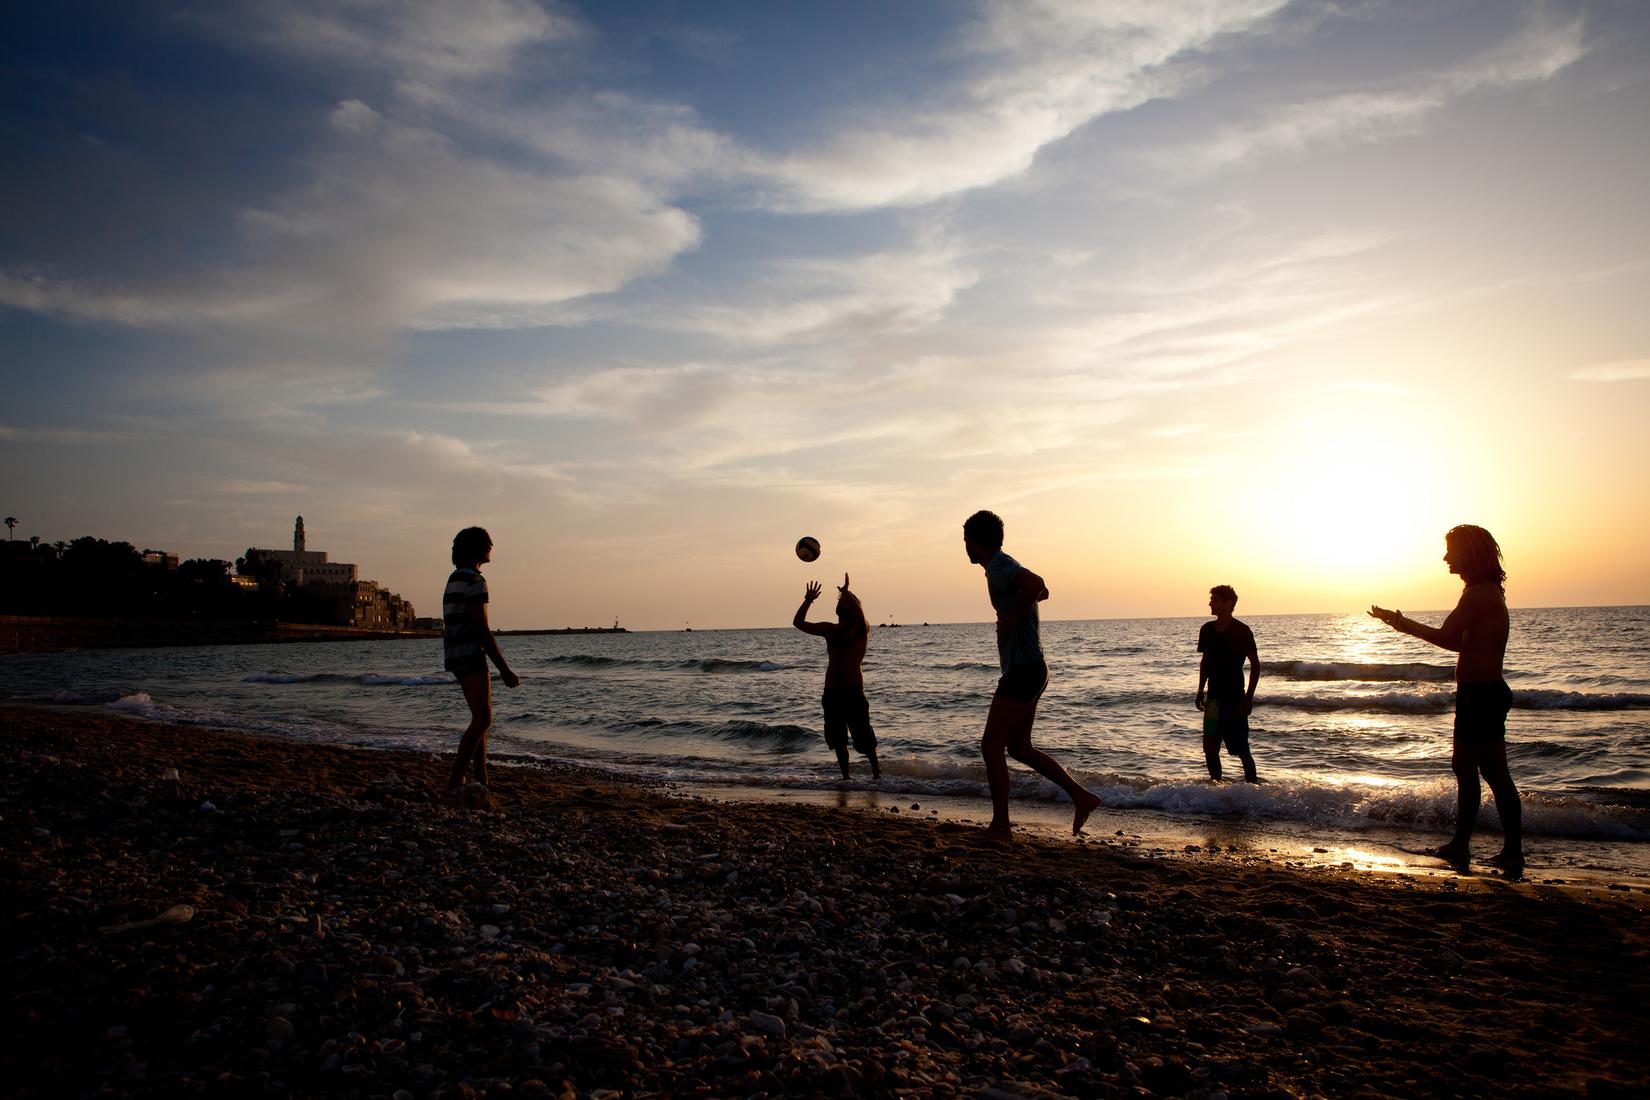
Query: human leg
836, 728
1468, 796
1211, 738
865, 737
478, 693
1083, 801
1493, 764
1005, 717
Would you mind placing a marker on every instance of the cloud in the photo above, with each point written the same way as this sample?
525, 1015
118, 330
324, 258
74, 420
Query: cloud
1621, 370
1536, 53
400, 227
417, 40
1034, 73
71, 436
241, 487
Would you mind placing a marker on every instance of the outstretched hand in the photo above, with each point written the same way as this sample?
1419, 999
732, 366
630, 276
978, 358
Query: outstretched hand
843, 587
811, 593
1390, 618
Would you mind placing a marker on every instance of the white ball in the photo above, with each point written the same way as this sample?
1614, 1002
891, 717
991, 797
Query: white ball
807, 548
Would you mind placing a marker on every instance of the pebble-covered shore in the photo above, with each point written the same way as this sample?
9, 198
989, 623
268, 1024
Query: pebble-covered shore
195, 912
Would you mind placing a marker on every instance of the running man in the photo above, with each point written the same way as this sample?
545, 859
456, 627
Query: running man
844, 699
1015, 593
1225, 643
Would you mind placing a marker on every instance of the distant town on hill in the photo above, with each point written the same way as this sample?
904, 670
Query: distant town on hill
93, 578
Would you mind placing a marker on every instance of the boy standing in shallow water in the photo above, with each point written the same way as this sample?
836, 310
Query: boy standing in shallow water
468, 642
1225, 643
1015, 593
846, 710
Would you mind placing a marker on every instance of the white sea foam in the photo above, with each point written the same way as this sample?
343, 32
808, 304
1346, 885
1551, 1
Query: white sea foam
372, 679
138, 702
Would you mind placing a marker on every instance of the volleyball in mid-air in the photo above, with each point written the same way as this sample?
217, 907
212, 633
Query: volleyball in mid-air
807, 548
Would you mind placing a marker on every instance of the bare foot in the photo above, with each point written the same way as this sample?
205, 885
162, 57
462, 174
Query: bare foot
1510, 862
1081, 809
1452, 853
998, 833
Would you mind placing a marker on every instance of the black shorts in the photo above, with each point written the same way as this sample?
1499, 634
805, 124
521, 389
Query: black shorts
1224, 718
1481, 712
847, 711
466, 668
1023, 683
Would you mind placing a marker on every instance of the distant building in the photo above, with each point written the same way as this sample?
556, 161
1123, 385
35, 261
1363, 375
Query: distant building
305, 567
161, 558
351, 601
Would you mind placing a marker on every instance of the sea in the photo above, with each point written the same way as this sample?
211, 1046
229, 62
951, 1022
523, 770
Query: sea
1351, 727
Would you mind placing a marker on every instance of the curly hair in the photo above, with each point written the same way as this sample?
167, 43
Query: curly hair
1481, 556
1224, 591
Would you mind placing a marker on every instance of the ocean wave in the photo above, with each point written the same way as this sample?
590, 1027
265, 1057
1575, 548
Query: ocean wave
1545, 699
1443, 701
701, 664
138, 702
1350, 806
1344, 805
366, 679
1355, 670
1359, 805
727, 664
785, 737
1387, 702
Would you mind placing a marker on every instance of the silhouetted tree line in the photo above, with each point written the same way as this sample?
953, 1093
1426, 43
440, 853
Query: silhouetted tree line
93, 578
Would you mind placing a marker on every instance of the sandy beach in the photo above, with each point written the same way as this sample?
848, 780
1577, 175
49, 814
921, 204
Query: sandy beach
200, 912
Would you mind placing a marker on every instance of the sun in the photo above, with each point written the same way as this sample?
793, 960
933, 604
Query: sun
1350, 495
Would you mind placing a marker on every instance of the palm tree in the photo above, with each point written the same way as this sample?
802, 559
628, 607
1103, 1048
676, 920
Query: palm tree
11, 522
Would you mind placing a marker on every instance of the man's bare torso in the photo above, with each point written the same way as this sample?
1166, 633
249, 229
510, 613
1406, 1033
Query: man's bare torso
1484, 635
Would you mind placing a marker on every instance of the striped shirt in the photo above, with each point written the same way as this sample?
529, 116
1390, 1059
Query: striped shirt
460, 633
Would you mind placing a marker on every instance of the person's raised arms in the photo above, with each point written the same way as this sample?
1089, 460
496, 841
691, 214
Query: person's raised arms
800, 619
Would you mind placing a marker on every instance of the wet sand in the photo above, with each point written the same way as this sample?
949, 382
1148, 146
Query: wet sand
283, 919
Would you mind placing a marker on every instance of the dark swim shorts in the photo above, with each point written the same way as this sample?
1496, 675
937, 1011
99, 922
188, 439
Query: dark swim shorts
846, 710
1481, 712
1023, 683
1224, 718
468, 668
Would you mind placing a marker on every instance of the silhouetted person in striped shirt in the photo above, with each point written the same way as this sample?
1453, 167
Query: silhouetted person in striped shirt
468, 642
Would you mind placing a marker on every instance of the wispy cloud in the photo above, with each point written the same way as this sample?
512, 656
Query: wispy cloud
1536, 53
1621, 370
68, 436
415, 40
1032, 74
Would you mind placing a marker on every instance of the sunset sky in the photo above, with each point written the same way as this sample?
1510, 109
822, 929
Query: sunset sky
1262, 293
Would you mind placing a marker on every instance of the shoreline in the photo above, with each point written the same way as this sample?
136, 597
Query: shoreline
23, 634
343, 932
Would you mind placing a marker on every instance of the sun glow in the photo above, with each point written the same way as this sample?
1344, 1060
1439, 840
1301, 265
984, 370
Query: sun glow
1349, 499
